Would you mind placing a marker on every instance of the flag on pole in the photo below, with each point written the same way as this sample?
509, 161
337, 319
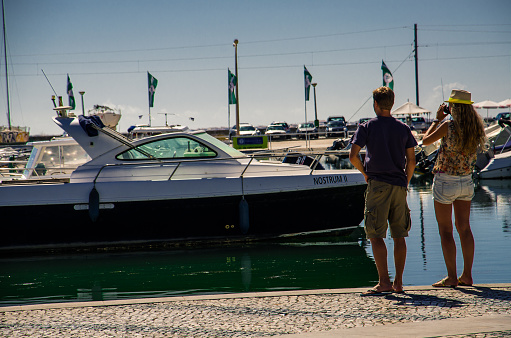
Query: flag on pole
232, 81
308, 80
70, 93
388, 80
152, 83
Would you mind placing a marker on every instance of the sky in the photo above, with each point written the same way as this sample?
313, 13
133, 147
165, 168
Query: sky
108, 46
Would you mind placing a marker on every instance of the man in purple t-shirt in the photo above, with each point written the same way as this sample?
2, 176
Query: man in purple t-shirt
388, 167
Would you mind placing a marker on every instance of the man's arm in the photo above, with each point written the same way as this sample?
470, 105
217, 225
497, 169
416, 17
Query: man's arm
355, 159
410, 163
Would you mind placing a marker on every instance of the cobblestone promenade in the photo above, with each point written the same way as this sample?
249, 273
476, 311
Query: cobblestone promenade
259, 315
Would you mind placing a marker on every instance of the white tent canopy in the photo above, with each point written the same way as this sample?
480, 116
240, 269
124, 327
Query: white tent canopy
505, 103
410, 109
486, 104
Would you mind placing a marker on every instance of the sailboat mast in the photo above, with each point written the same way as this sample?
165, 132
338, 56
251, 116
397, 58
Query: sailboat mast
6, 74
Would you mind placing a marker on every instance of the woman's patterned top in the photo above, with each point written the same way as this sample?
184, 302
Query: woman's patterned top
450, 160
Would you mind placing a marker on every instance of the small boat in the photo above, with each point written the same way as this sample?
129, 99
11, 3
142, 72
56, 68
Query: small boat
141, 131
496, 162
109, 116
48, 160
498, 167
172, 187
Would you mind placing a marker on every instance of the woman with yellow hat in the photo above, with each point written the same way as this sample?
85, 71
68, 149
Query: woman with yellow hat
453, 186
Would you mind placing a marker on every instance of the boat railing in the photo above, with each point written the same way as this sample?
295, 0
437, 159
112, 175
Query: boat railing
35, 172
17, 170
504, 148
266, 157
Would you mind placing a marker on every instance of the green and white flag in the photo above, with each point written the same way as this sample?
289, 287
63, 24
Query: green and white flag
388, 80
70, 94
232, 82
152, 83
308, 81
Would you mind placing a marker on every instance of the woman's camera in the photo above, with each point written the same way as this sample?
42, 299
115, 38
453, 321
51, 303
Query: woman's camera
446, 109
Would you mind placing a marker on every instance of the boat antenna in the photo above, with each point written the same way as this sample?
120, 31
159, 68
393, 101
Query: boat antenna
48, 81
442, 82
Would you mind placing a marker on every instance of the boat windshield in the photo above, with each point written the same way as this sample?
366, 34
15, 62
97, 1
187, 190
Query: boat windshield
219, 144
175, 148
50, 159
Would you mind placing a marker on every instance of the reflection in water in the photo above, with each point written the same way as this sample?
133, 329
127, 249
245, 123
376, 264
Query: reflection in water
258, 267
496, 195
319, 263
490, 222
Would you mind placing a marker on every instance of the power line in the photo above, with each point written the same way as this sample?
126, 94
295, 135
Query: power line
427, 45
275, 67
220, 44
215, 57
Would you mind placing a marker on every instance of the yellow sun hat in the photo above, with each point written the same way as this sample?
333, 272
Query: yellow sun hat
460, 96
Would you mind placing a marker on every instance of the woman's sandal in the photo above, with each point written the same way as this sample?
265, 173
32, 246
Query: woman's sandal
441, 284
460, 283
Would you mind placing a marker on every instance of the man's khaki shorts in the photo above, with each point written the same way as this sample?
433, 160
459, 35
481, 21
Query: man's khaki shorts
386, 205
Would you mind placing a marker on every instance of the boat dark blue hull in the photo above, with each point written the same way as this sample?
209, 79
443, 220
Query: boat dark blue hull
170, 220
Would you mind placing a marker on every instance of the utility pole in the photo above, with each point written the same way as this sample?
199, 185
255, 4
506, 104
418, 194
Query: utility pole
416, 67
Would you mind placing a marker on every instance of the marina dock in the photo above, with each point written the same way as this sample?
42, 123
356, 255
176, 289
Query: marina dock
480, 311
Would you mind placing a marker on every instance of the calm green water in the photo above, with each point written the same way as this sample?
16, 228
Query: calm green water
316, 263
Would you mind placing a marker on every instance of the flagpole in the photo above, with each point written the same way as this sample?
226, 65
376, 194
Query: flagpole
235, 44
152, 82
149, 103
228, 102
307, 83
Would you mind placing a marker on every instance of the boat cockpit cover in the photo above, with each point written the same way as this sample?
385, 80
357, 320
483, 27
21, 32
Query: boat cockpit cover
86, 123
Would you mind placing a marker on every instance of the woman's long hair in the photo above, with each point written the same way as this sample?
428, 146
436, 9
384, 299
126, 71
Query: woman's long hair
469, 128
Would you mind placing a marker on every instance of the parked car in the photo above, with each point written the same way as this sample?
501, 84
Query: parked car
504, 116
307, 128
419, 123
336, 128
352, 127
364, 119
276, 131
336, 118
246, 129
283, 124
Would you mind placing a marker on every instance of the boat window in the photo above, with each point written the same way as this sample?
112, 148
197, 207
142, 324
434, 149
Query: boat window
57, 159
175, 147
220, 145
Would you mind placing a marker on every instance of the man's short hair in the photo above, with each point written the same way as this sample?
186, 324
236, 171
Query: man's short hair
384, 96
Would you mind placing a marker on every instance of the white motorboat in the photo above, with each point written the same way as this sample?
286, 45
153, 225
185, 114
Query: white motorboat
48, 160
141, 131
498, 167
109, 116
496, 162
171, 187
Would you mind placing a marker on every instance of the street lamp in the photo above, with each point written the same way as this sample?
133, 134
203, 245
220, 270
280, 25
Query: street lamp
83, 110
235, 44
316, 121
